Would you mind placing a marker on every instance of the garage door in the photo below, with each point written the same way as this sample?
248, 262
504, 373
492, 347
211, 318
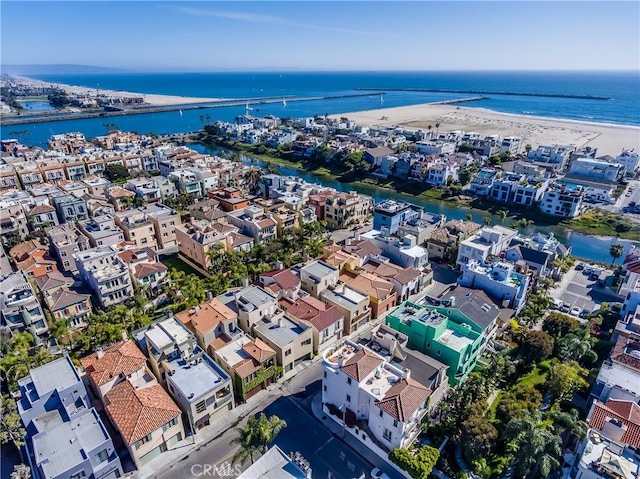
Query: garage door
153, 453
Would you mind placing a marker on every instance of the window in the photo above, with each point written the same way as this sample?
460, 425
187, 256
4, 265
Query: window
287, 352
324, 374
210, 400
63, 254
324, 388
78, 475
102, 456
380, 412
386, 434
348, 380
169, 424
395, 423
142, 441
66, 264
438, 352
200, 407
348, 398
305, 343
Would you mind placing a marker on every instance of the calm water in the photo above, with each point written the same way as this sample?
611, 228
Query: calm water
36, 105
590, 248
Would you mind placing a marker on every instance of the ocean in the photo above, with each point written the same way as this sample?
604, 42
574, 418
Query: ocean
622, 87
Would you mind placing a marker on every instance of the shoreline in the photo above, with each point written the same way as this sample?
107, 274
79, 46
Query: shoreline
150, 99
610, 139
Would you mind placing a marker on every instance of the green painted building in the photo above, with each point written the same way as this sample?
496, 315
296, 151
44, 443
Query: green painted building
453, 343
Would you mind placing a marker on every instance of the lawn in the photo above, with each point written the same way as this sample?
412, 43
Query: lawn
491, 414
178, 264
537, 376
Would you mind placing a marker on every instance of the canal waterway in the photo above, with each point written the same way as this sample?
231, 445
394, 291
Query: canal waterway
590, 248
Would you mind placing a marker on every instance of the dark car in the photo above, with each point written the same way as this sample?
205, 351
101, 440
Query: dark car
595, 275
601, 283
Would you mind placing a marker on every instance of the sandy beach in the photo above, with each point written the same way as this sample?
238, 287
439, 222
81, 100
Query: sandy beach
149, 99
609, 139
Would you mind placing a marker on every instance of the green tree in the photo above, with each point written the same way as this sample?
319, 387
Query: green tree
479, 436
519, 400
116, 173
559, 325
536, 449
418, 465
11, 429
615, 251
255, 437
486, 220
536, 346
21, 471
566, 377
502, 214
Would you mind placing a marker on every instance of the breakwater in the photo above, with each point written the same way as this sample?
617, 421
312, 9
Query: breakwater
488, 92
143, 110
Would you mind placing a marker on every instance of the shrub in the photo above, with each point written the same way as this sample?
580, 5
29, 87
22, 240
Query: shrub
418, 466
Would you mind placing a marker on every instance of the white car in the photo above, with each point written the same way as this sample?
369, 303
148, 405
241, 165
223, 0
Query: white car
376, 473
575, 311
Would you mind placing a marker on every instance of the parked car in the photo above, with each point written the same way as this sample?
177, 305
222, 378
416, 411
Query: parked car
557, 304
376, 473
602, 283
585, 313
595, 275
587, 271
566, 307
579, 266
575, 311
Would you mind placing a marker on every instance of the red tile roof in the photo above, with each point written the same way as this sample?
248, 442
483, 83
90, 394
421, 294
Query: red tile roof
626, 412
146, 269
139, 412
621, 352
258, 350
207, 316
403, 399
124, 357
361, 364
283, 278
317, 313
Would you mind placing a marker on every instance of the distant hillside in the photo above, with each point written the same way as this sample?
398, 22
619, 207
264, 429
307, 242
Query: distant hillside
63, 69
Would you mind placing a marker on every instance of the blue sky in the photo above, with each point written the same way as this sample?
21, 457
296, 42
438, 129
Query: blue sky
299, 35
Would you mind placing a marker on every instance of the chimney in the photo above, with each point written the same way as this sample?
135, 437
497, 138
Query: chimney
279, 265
357, 236
281, 322
406, 374
245, 282
99, 353
123, 333
209, 295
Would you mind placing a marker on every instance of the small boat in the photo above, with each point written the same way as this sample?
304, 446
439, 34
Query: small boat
284, 103
180, 112
381, 97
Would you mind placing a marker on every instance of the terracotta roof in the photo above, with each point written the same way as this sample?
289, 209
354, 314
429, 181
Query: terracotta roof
621, 350
123, 357
403, 399
368, 284
266, 223
283, 278
41, 209
626, 412
210, 314
258, 350
246, 367
310, 309
21, 251
139, 412
145, 269
362, 248
128, 255
53, 279
361, 364
119, 192
219, 342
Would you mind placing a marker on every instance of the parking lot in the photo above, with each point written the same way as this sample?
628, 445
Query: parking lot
577, 290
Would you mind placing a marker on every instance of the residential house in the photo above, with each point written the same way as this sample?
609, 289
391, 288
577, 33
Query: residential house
70, 208
101, 230
164, 220
251, 363
615, 418
64, 241
442, 173
9, 178
148, 420
120, 198
63, 300
444, 241
602, 457
29, 174
406, 281
255, 223
230, 199
342, 210
291, 340
19, 306
97, 185
630, 160
65, 435
108, 367
482, 182
563, 200
198, 385
213, 323
32, 258
511, 145
490, 241
326, 321
621, 370
376, 155
41, 216
280, 282
317, 276
354, 306
455, 344
554, 157
75, 188
198, 240
105, 274
137, 227
404, 252
13, 221
147, 272
52, 170
392, 214
187, 182
145, 188
381, 293
382, 400
421, 228
596, 169
499, 280
74, 168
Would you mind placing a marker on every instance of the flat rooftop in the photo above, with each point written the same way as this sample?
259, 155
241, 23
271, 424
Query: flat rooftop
345, 297
197, 379
58, 374
454, 340
318, 269
282, 331
167, 331
416, 313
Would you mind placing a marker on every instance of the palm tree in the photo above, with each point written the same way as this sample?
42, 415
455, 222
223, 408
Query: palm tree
256, 436
469, 217
502, 214
437, 126
535, 449
615, 251
486, 220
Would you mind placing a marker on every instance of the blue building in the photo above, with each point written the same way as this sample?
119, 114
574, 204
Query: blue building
390, 214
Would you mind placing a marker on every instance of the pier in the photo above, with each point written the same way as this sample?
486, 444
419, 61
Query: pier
487, 92
142, 110
459, 100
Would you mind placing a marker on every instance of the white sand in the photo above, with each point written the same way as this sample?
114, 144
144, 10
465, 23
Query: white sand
149, 99
609, 139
